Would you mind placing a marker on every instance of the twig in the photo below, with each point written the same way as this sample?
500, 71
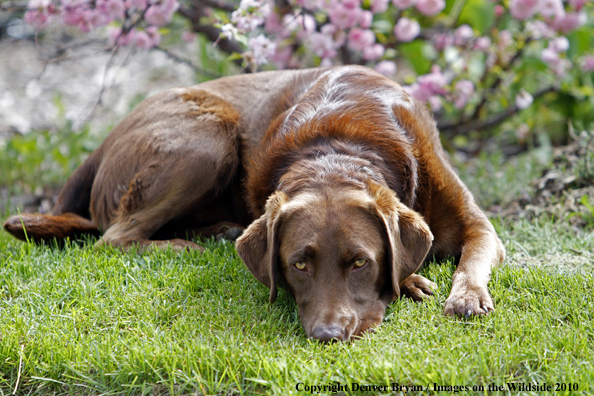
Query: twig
196, 69
220, 4
450, 130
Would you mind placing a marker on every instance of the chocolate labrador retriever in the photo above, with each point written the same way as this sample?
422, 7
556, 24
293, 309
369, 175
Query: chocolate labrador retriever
341, 171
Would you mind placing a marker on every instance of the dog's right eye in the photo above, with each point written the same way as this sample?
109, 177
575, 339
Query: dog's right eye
300, 265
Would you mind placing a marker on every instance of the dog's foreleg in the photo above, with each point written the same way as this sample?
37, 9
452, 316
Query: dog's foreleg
470, 295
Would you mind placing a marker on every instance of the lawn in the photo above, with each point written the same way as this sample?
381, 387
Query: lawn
86, 320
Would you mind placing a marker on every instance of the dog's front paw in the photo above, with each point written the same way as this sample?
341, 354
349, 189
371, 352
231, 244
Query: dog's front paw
417, 287
468, 300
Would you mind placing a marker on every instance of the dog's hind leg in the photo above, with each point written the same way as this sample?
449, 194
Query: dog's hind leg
70, 217
184, 160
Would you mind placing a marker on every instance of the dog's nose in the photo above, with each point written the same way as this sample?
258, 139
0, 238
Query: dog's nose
327, 333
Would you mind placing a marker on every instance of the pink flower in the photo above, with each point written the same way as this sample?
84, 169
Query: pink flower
154, 35
262, 48
160, 13
403, 4
463, 90
406, 29
523, 9
386, 68
499, 10
359, 39
373, 52
366, 19
379, 6
435, 102
549, 56
138, 4
344, 17
560, 44
569, 22
551, 8
482, 44
462, 35
588, 63
116, 36
523, 100
539, 29
38, 13
323, 45
113, 9
430, 84
188, 36
430, 7
308, 4
577, 4
504, 39
282, 57
142, 40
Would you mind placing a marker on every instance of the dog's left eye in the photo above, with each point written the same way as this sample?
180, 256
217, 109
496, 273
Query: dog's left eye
360, 263
300, 265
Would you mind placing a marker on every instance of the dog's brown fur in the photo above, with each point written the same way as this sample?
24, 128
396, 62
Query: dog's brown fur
346, 183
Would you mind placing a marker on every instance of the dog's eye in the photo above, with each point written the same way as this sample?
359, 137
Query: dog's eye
300, 265
360, 263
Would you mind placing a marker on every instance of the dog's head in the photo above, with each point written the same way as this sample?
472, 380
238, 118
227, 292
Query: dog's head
341, 253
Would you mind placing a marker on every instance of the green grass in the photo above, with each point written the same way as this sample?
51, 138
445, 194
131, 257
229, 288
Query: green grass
86, 320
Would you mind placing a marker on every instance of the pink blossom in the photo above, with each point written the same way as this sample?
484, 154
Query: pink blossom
338, 36
38, 13
282, 57
539, 29
138, 4
432, 83
188, 36
504, 39
386, 68
499, 10
418, 91
569, 22
462, 35
588, 63
142, 40
117, 37
435, 102
523, 9
577, 4
523, 100
430, 7
323, 45
551, 8
379, 6
482, 44
154, 35
359, 39
273, 23
366, 19
560, 44
373, 52
262, 48
114, 9
229, 31
463, 90
404, 4
549, 56
406, 29
160, 13
344, 17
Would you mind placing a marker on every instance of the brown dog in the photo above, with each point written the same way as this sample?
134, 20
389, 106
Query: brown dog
344, 175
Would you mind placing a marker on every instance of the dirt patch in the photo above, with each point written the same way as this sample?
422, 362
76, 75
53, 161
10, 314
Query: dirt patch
564, 191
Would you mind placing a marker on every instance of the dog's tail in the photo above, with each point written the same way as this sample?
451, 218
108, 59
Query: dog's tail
71, 214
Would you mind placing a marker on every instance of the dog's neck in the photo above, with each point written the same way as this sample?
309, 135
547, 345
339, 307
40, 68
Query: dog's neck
339, 163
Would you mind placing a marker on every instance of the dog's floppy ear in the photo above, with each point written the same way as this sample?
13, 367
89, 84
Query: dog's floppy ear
258, 245
408, 235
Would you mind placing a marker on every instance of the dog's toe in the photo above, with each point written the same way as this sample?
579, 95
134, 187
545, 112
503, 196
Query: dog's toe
467, 302
417, 287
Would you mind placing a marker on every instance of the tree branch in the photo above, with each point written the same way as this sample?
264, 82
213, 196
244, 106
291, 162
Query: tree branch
196, 69
461, 128
220, 4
